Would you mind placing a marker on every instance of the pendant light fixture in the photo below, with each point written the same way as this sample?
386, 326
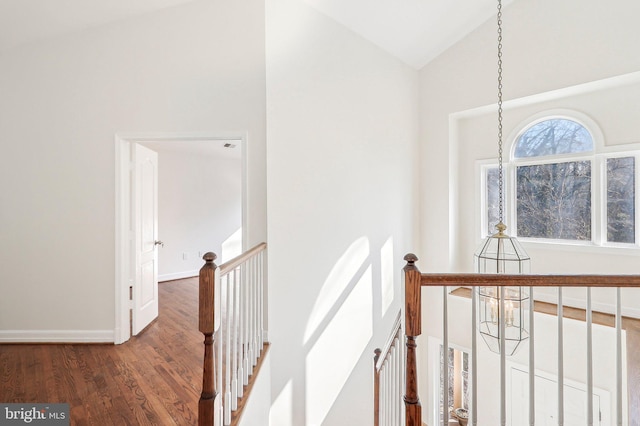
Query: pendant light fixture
502, 309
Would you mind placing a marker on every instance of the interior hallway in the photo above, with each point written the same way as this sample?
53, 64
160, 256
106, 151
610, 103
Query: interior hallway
153, 379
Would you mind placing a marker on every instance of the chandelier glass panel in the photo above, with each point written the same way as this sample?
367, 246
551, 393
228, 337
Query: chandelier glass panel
501, 254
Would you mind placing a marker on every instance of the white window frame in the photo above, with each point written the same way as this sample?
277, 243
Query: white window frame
598, 158
602, 165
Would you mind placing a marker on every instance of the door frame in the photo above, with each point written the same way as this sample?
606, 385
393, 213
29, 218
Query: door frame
123, 211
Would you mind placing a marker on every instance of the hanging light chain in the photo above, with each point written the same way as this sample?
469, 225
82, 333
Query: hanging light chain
500, 167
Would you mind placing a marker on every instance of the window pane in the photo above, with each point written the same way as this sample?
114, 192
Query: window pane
466, 389
450, 372
553, 137
621, 200
554, 201
493, 200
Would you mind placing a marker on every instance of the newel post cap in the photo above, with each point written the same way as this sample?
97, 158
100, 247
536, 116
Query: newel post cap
411, 258
209, 256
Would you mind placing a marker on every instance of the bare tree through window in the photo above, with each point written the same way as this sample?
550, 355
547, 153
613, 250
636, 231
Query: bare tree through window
493, 200
554, 137
554, 171
621, 200
553, 200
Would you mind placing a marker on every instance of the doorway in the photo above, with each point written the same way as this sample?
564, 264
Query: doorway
180, 259
546, 399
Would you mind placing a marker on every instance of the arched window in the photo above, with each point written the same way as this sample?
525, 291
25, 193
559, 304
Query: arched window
553, 136
560, 187
553, 162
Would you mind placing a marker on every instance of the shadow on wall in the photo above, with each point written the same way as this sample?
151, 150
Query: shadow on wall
339, 328
232, 246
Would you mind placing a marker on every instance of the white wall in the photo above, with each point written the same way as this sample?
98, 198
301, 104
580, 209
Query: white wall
342, 132
548, 45
199, 207
192, 68
257, 407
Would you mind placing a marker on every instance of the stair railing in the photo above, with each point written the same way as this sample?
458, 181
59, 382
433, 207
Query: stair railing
388, 379
231, 318
414, 280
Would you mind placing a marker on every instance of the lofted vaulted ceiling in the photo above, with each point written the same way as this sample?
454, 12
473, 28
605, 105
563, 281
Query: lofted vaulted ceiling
415, 31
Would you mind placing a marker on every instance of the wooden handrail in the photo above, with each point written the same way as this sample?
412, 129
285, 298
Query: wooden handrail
241, 258
414, 280
386, 349
215, 402
500, 280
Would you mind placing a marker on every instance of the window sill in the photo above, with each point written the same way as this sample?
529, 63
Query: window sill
584, 247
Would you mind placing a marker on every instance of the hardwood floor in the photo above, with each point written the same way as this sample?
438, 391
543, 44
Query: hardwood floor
153, 379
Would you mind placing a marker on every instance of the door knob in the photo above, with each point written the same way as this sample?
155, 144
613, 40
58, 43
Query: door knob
158, 243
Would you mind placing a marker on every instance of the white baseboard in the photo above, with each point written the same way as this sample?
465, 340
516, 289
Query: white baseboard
178, 275
56, 336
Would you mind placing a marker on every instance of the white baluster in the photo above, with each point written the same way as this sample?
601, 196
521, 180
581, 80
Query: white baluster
254, 312
383, 389
227, 344
589, 359
233, 317
250, 313
403, 369
217, 412
445, 357
384, 384
398, 380
560, 359
532, 366
245, 324
261, 274
257, 309
474, 358
394, 387
503, 387
218, 367
618, 358
387, 372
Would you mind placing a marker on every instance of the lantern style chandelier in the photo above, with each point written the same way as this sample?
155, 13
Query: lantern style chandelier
502, 310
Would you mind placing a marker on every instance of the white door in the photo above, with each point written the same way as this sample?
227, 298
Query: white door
145, 219
546, 402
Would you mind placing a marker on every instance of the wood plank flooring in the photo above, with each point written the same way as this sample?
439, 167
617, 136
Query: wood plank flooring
153, 379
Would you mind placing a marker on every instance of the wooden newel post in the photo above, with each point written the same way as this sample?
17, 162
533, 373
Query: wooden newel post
206, 325
376, 388
413, 328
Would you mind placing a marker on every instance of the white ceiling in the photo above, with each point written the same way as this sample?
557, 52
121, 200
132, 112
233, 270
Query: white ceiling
415, 31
